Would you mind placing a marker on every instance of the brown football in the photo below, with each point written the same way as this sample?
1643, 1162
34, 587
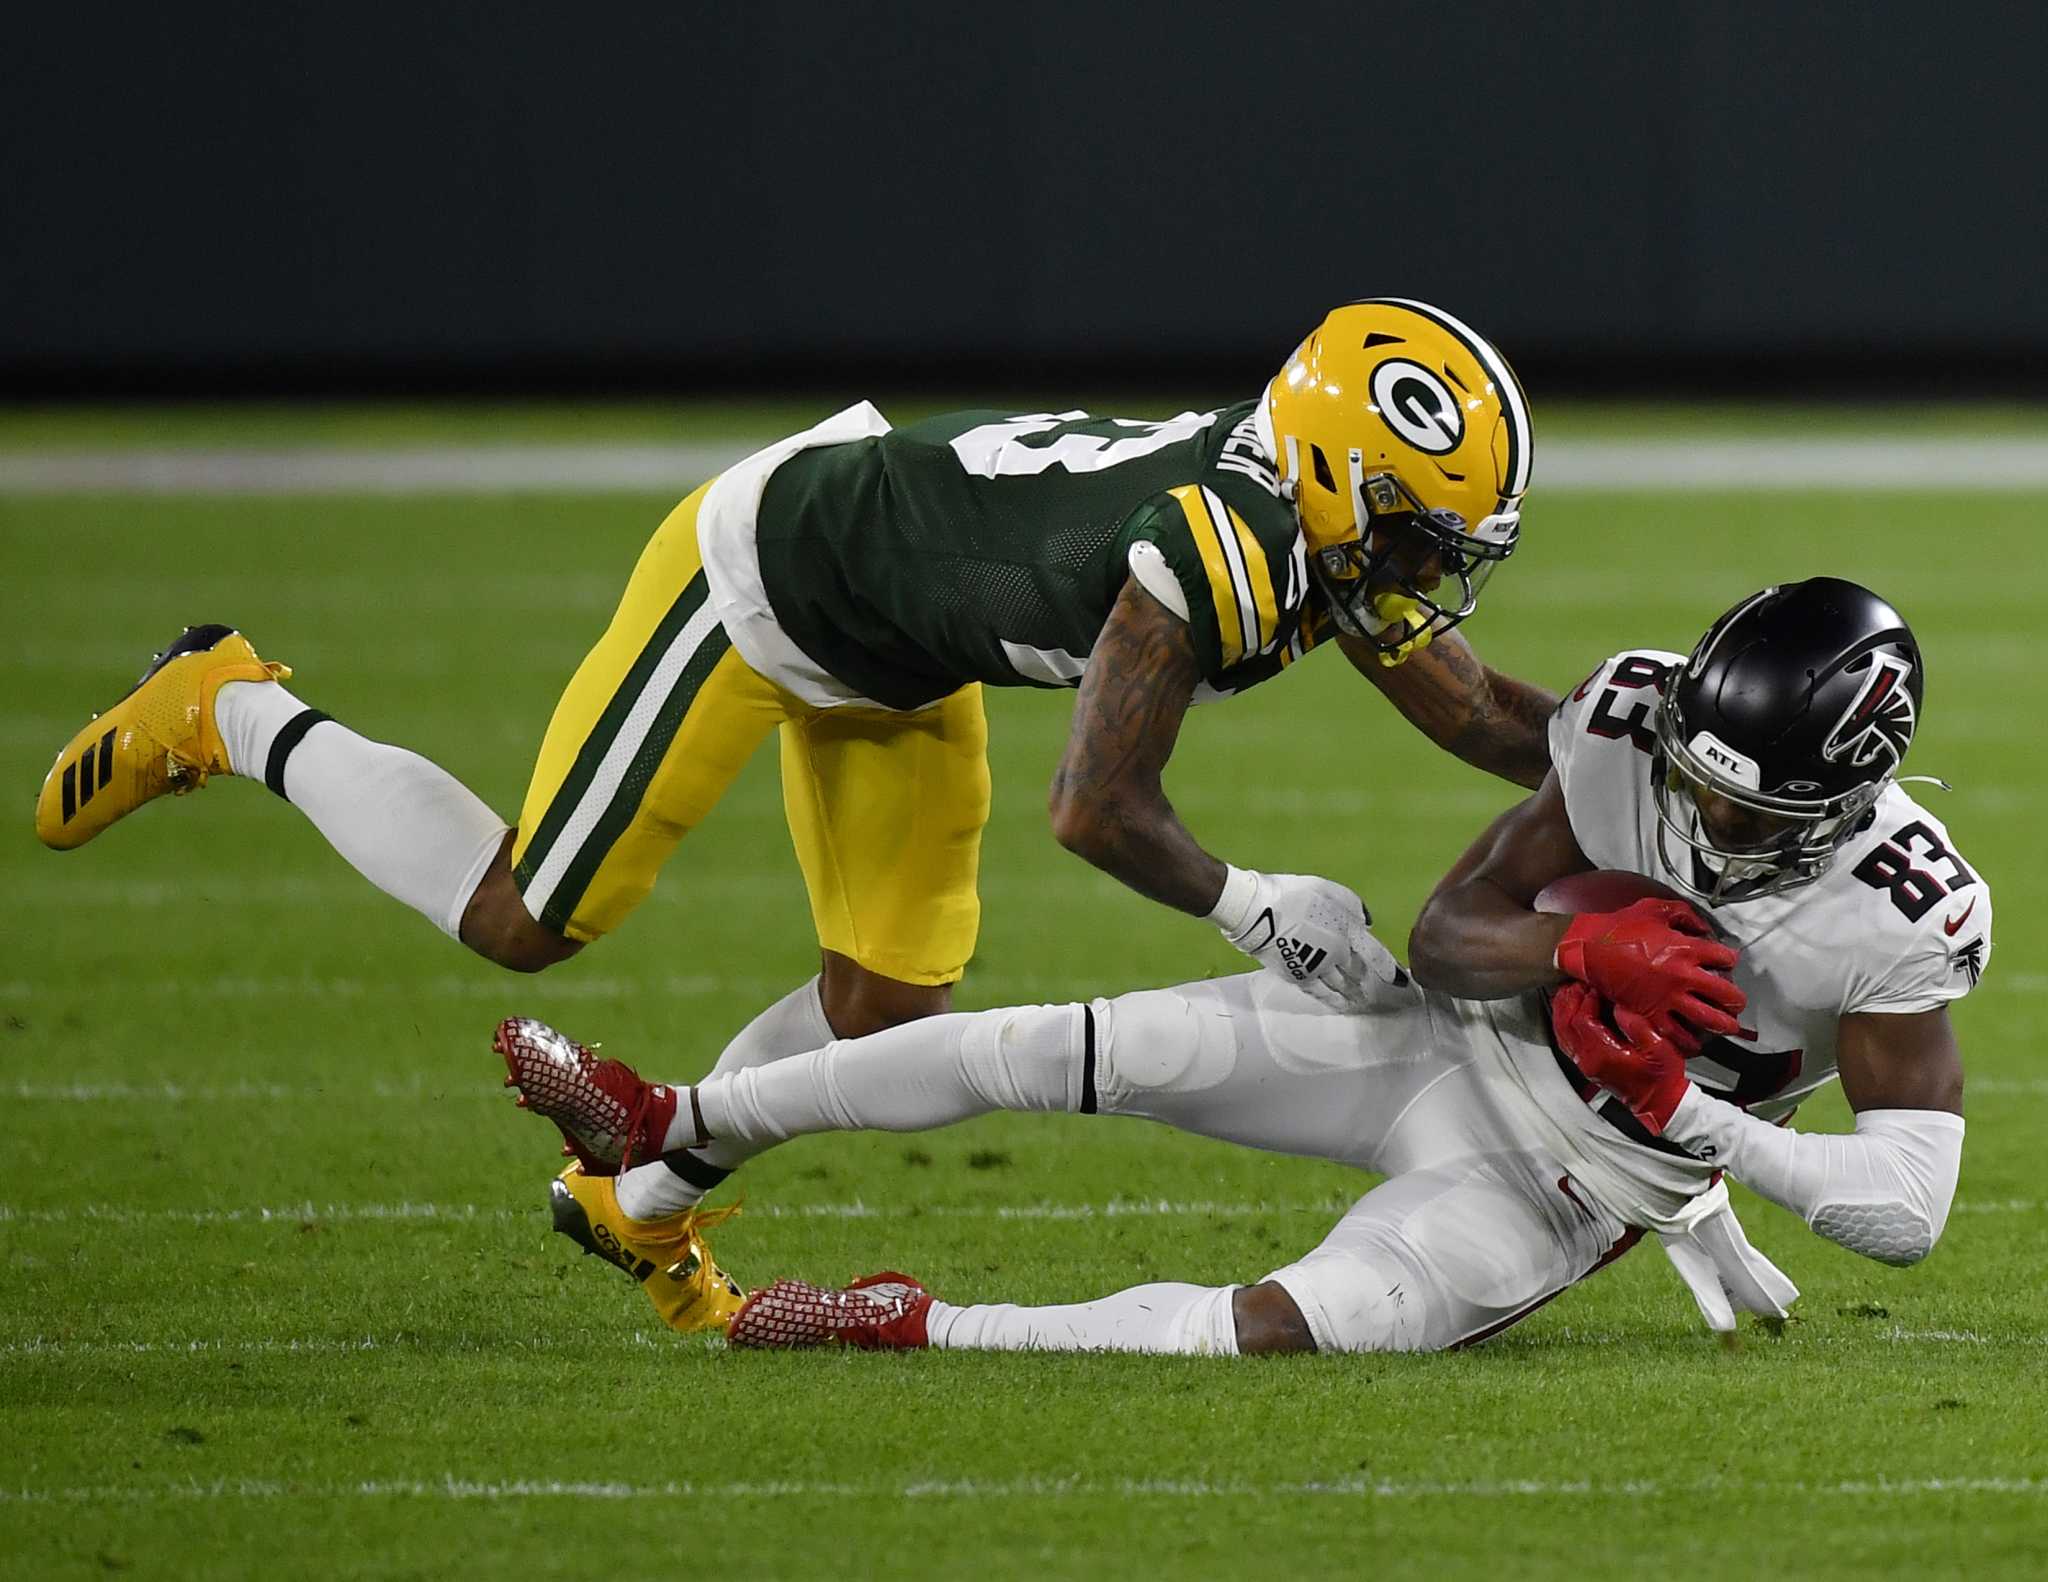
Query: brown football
1601, 890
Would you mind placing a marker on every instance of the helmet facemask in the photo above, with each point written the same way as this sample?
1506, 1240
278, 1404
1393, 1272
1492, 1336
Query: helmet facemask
1784, 841
1408, 572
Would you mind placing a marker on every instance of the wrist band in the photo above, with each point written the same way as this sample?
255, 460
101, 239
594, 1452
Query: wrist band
1233, 907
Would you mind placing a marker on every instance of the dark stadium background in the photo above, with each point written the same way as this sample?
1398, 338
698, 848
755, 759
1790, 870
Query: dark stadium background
1742, 198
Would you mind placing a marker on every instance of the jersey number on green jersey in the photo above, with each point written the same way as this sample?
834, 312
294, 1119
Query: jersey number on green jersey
1023, 447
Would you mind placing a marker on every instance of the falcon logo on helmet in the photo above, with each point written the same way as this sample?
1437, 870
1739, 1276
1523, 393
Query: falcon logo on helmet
1881, 719
1403, 439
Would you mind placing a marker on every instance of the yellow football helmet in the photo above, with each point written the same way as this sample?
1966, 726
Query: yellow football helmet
1404, 441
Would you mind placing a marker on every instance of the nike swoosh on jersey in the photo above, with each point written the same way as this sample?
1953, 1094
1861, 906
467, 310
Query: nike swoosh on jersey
1952, 924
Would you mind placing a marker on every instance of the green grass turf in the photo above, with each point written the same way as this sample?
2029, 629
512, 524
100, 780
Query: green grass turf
278, 1291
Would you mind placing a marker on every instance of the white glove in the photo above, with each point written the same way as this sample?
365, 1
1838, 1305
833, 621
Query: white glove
1312, 932
1724, 1273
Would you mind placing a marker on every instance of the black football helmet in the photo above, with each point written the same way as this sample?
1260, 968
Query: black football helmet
1779, 734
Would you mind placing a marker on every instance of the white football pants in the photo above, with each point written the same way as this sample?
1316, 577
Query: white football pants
1479, 1223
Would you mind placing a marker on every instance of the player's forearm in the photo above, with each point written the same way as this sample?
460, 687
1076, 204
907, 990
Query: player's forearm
1884, 1191
1139, 839
1476, 941
1510, 735
1108, 803
1490, 720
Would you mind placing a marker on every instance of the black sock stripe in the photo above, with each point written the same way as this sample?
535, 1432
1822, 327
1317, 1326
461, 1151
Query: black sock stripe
1087, 1060
694, 1170
282, 744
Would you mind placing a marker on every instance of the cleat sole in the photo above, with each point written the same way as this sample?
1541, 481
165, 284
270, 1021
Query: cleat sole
570, 1220
608, 1118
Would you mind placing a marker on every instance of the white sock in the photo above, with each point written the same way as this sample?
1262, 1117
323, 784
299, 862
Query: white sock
407, 825
792, 1025
1182, 1320
927, 1073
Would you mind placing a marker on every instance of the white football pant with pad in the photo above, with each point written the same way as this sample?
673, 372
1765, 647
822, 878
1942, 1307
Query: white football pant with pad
1481, 1223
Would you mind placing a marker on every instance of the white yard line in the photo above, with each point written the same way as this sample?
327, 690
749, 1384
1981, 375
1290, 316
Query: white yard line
583, 1341
452, 1489
417, 1090
1843, 463
394, 470
1847, 462
1000, 987
328, 1345
309, 987
1115, 1208
258, 1214
339, 1213
499, 990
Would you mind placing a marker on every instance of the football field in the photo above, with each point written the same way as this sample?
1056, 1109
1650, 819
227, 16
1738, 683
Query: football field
277, 1289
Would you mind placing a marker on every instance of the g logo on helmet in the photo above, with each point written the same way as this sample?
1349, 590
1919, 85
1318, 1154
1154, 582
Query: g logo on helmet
1417, 405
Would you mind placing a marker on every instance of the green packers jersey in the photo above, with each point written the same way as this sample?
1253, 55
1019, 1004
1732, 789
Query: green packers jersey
984, 546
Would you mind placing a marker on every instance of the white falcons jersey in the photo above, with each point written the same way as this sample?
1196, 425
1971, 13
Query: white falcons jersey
1899, 922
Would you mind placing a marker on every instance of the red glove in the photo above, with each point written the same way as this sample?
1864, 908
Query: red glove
1659, 960
1645, 1072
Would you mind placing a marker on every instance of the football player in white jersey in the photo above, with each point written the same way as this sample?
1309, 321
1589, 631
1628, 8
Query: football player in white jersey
1525, 1144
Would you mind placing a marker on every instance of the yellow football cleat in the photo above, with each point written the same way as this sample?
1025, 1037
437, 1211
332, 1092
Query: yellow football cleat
159, 738
668, 1256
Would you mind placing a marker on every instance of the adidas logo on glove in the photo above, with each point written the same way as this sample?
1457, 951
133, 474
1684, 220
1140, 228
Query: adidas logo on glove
1313, 932
1302, 958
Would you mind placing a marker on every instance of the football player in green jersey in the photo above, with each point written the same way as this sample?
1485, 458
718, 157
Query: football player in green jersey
851, 589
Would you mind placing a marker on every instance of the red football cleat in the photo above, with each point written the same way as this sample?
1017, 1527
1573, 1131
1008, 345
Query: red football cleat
884, 1312
607, 1115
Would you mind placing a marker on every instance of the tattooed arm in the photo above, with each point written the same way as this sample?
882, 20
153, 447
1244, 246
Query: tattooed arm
1492, 721
1107, 802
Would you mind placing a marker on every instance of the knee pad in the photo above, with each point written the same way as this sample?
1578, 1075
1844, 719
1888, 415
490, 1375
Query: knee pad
1162, 1040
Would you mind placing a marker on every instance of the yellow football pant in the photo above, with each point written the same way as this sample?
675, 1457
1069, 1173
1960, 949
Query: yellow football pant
885, 809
